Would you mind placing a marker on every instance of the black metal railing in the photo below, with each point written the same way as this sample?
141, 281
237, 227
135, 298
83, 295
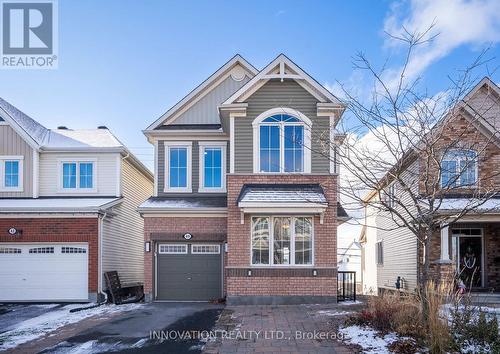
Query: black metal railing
346, 286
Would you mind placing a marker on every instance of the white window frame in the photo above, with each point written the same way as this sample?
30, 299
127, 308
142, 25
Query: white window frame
78, 161
205, 245
166, 180
20, 186
185, 245
292, 242
458, 160
212, 144
304, 121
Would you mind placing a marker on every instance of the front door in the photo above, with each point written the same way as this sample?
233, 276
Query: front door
468, 252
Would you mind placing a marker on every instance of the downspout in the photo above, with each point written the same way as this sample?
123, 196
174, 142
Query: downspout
99, 267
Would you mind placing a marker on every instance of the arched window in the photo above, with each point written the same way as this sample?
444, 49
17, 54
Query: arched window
459, 168
282, 142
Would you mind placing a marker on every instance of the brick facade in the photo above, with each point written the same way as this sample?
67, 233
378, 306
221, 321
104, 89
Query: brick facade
491, 242
325, 244
266, 281
51, 230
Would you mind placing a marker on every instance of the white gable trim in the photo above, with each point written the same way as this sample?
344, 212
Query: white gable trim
17, 128
304, 79
195, 95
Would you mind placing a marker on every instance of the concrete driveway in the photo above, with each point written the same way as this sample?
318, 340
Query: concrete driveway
140, 328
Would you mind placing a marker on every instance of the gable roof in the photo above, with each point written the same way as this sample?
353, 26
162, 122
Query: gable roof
194, 95
472, 116
284, 68
22, 123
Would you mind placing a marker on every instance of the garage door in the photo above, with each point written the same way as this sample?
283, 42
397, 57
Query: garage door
42, 272
189, 272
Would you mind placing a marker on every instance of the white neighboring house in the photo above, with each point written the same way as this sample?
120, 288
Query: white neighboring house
68, 201
349, 259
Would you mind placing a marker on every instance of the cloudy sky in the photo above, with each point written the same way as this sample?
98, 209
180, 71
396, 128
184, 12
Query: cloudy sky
124, 63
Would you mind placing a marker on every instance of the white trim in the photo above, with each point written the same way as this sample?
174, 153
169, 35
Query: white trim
458, 159
118, 176
178, 144
19, 130
305, 122
191, 214
333, 147
292, 242
166, 245
305, 78
77, 161
201, 164
36, 174
445, 252
20, 186
195, 95
3, 122
231, 142
155, 191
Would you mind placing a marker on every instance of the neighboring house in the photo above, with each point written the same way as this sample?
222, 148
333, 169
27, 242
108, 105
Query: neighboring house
245, 202
349, 259
68, 201
470, 245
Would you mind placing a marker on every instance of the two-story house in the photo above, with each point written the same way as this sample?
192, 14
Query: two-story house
68, 201
469, 155
245, 199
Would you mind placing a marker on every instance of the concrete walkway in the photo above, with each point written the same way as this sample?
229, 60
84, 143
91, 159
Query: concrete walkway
279, 329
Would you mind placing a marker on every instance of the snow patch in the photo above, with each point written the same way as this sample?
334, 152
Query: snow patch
368, 339
350, 303
333, 313
39, 326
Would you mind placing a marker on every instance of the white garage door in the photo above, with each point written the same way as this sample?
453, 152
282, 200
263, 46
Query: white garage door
43, 272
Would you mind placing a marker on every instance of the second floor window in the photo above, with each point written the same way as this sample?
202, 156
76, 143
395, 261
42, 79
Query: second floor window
178, 167
459, 169
78, 175
282, 141
281, 144
212, 167
11, 173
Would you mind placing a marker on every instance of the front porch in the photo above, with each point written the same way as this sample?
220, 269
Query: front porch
471, 250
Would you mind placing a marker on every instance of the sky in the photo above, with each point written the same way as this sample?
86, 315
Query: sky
123, 63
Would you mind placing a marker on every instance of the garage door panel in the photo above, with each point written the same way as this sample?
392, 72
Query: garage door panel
189, 277
49, 276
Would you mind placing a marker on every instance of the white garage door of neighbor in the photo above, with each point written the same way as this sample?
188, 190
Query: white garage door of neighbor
43, 272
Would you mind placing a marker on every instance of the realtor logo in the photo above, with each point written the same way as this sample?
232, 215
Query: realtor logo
29, 34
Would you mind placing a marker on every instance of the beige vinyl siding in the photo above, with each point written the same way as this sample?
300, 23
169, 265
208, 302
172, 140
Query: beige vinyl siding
106, 172
369, 264
205, 111
12, 144
123, 233
275, 94
399, 243
195, 173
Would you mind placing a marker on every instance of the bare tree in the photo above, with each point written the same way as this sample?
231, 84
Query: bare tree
403, 173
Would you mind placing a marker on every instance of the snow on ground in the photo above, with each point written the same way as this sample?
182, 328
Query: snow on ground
368, 339
47, 322
333, 313
349, 303
93, 346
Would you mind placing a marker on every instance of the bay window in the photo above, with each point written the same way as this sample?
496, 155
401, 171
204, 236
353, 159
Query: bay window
282, 240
